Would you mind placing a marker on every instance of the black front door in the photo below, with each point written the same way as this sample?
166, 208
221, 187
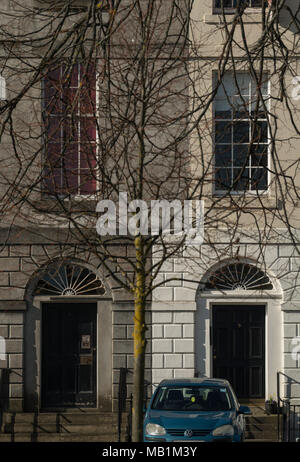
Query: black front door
239, 348
69, 354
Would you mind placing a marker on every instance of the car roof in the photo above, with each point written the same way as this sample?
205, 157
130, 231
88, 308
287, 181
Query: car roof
193, 381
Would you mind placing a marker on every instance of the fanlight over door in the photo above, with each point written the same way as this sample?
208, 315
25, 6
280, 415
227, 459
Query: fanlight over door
69, 280
238, 276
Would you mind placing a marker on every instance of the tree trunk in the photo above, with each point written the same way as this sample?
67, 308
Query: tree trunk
139, 345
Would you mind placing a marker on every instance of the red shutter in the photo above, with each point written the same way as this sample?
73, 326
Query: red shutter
53, 130
87, 129
70, 129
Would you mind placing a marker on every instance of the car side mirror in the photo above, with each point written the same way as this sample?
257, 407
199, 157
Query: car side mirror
244, 410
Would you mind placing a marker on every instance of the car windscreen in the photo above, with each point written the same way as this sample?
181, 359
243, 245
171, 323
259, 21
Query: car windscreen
192, 398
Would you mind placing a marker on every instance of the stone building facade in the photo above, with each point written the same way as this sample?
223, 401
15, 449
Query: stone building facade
184, 317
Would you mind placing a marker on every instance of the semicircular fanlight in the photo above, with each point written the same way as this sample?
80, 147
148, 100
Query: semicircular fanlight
68, 279
238, 276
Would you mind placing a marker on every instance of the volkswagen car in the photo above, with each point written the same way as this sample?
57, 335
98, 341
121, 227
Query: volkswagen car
199, 409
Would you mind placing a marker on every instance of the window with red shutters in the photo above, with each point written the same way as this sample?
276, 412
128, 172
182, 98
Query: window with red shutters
69, 116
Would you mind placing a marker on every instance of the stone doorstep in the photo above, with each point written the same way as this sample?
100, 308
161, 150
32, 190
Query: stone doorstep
62, 427
261, 426
95, 423
92, 418
104, 428
58, 438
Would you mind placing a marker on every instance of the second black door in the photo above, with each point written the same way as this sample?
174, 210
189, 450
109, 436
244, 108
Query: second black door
69, 355
239, 348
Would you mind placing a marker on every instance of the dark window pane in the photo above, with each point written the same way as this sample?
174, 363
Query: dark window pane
70, 101
87, 130
88, 90
259, 155
240, 155
53, 129
260, 132
71, 127
87, 182
258, 111
240, 179
223, 179
223, 132
223, 3
88, 157
259, 180
219, 114
234, 3
222, 155
258, 3
241, 132
70, 168
241, 107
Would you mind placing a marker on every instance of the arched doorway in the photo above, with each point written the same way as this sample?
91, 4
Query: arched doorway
69, 323
238, 328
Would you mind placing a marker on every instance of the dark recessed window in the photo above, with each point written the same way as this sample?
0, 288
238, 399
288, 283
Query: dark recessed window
241, 133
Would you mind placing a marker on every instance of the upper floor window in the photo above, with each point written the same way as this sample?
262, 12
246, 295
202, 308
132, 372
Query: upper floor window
232, 4
69, 116
241, 134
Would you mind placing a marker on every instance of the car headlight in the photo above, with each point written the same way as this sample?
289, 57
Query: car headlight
155, 429
224, 430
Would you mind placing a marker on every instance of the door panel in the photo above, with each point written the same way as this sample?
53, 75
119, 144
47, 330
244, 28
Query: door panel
69, 354
239, 348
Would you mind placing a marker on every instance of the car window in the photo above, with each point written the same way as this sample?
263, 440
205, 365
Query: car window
194, 398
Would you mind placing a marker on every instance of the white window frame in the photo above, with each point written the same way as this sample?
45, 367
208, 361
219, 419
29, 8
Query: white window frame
249, 192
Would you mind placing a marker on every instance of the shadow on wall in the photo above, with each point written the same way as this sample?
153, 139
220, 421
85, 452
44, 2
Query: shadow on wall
4, 389
289, 15
32, 334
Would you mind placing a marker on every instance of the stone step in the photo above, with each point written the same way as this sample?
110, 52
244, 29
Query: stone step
263, 419
58, 437
257, 440
261, 434
85, 429
62, 418
261, 427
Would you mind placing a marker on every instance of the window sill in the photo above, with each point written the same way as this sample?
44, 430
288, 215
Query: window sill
250, 201
218, 18
52, 205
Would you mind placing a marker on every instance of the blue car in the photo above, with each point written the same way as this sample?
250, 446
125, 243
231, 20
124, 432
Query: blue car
191, 410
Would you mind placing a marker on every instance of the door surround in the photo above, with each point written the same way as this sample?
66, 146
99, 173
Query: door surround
33, 350
273, 332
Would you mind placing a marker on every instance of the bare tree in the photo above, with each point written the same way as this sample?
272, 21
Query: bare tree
123, 96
